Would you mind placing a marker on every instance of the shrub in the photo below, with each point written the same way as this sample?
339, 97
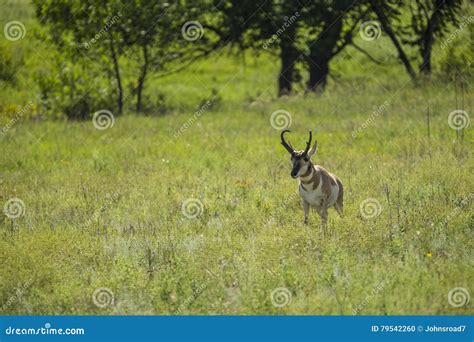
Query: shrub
11, 61
457, 59
72, 92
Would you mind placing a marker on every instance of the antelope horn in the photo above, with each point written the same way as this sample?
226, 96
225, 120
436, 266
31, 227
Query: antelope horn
308, 144
285, 144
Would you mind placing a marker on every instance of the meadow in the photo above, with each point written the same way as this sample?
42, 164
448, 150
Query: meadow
193, 211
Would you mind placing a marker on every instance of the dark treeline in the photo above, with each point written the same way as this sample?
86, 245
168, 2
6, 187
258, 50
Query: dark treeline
134, 39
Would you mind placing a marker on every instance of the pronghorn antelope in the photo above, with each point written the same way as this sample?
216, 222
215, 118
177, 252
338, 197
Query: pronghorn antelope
319, 188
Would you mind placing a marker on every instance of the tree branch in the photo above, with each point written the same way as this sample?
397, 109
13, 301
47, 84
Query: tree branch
373, 59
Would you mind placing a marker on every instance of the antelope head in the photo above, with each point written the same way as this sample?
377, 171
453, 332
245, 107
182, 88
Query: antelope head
300, 160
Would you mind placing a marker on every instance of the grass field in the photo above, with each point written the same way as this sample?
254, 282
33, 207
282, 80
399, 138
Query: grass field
193, 210
103, 209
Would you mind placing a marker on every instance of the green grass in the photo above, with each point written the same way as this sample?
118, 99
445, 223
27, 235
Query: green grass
103, 209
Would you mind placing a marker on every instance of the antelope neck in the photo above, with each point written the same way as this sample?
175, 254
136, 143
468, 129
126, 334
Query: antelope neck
308, 174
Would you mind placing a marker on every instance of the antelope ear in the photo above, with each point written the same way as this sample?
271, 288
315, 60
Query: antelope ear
313, 150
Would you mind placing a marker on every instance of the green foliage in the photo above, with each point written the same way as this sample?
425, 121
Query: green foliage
72, 91
441, 15
112, 34
458, 56
11, 61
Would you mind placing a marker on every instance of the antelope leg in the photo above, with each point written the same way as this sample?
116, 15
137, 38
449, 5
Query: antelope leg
306, 211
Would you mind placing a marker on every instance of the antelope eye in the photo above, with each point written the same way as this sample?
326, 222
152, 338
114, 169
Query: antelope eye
306, 159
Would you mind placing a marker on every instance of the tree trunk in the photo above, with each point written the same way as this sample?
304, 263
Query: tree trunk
288, 57
426, 44
318, 75
425, 66
388, 29
117, 75
322, 50
141, 79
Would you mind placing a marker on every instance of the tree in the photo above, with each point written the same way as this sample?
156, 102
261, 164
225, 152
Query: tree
313, 32
269, 26
331, 25
144, 34
280, 31
150, 30
84, 30
385, 12
283, 27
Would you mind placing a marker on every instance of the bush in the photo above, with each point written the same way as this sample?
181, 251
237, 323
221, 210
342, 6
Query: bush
73, 92
10, 62
459, 56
